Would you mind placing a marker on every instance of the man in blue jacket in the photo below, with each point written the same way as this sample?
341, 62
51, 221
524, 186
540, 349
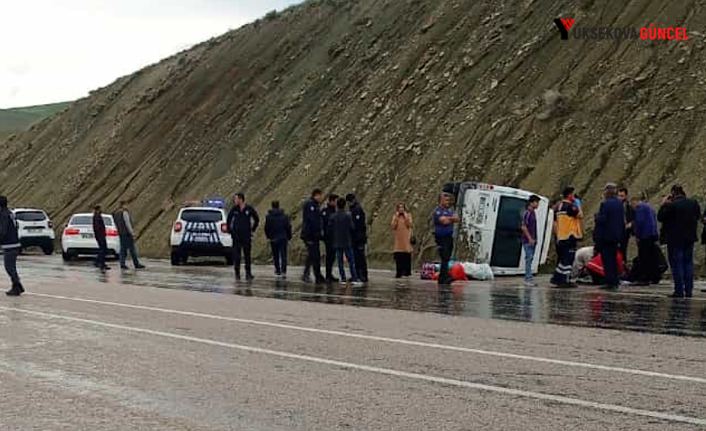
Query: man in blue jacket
644, 227
10, 244
610, 229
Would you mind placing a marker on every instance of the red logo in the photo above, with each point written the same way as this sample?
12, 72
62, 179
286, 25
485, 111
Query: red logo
564, 25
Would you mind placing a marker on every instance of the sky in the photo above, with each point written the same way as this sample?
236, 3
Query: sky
59, 50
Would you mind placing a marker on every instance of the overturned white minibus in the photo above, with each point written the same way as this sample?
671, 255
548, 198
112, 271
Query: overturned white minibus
491, 226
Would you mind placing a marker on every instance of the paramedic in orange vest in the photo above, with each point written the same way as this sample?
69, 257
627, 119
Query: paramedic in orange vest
567, 227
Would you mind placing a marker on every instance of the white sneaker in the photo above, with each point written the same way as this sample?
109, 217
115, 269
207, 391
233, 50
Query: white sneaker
531, 284
344, 283
358, 284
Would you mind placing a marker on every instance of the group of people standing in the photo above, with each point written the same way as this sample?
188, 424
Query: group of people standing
618, 219
340, 224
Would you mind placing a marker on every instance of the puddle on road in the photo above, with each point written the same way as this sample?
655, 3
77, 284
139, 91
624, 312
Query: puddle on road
584, 306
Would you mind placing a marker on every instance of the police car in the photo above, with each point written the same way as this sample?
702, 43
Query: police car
201, 230
35, 229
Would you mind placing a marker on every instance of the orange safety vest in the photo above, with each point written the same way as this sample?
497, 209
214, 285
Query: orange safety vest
567, 225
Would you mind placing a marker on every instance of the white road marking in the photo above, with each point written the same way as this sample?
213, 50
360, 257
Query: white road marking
386, 371
384, 339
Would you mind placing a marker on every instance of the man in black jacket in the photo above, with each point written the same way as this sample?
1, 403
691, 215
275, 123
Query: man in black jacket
312, 231
360, 237
243, 221
680, 217
629, 215
10, 245
99, 233
278, 231
326, 214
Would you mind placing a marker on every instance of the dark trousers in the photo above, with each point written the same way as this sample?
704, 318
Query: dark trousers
127, 243
348, 252
624, 245
102, 251
445, 247
279, 256
244, 248
566, 253
648, 261
681, 259
403, 263
313, 259
330, 259
361, 262
609, 255
10, 261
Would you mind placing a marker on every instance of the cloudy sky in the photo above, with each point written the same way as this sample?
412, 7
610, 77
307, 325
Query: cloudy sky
54, 51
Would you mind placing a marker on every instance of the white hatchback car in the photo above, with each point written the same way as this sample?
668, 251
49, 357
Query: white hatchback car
35, 229
79, 239
201, 232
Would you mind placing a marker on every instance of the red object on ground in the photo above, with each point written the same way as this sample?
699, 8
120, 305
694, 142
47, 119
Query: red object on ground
457, 273
595, 265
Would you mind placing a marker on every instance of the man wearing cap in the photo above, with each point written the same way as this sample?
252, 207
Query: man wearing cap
680, 216
567, 227
610, 230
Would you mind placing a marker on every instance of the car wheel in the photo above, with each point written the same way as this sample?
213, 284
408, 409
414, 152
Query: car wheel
65, 256
229, 260
48, 250
176, 259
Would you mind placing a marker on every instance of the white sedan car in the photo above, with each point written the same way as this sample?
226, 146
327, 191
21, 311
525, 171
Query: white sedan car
78, 237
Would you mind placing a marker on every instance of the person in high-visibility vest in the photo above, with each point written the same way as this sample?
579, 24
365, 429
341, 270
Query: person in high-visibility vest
568, 230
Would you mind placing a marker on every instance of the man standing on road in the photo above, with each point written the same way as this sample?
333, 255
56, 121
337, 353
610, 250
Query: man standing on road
610, 230
341, 230
10, 245
529, 238
680, 217
123, 222
311, 235
644, 226
444, 220
360, 237
568, 231
99, 233
326, 214
627, 208
278, 231
243, 221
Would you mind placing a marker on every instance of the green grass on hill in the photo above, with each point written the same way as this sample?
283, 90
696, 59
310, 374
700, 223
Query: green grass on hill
18, 119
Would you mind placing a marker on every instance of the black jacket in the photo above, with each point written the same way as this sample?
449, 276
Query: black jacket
98, 225
311, 221
340, 226
326, 214
360, 229
243, 223
680, 220
8, 230
277, 226
610, 222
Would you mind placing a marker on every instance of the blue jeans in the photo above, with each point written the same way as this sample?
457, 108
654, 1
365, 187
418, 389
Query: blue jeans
681, 259
127, 243
529, 258
351, 263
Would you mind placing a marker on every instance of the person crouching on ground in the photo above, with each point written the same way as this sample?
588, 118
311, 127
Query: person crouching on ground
278, 231
341, 228
10, 244
402, 227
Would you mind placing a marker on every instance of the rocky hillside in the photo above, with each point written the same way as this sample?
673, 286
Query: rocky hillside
388, 99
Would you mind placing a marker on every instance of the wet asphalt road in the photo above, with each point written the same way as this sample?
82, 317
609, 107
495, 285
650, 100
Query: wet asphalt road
187, 349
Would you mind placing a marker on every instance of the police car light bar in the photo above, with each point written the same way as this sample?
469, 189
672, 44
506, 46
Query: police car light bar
214, 202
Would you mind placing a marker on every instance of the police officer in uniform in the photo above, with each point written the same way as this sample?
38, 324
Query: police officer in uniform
326, 214
243, 221
10, 244
360, 237
311, 235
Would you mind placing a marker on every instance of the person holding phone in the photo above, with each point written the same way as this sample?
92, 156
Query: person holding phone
402, 251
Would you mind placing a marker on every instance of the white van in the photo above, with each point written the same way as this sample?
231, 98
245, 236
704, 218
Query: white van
491, 226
